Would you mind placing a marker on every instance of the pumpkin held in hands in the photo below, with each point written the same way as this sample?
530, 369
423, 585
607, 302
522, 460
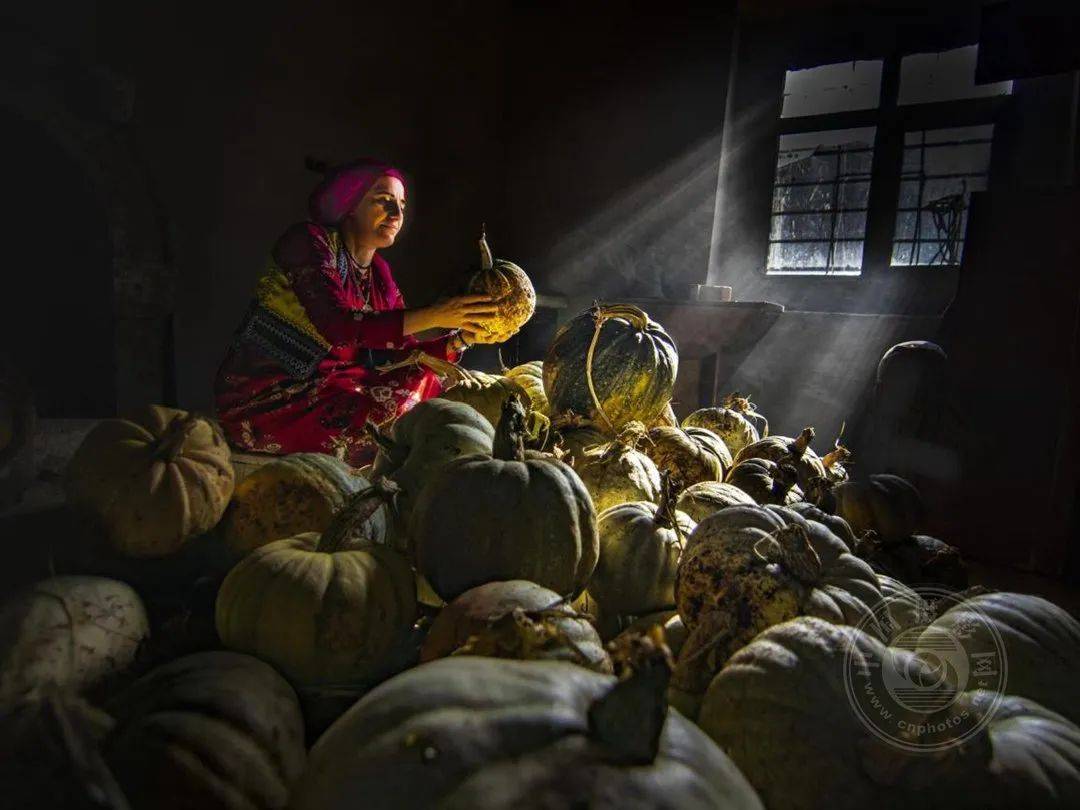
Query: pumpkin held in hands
512, 293
153, 481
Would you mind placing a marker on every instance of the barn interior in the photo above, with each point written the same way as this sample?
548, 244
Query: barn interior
792, 189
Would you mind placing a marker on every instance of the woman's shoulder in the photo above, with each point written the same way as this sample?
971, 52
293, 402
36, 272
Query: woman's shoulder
305, 244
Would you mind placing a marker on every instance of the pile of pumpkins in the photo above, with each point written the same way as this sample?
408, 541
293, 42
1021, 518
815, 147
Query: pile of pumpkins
544, 592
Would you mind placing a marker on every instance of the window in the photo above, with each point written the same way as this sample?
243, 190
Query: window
940, 170
832, 88
820, 196
926, 78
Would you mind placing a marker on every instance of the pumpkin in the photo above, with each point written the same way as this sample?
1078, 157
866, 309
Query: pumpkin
518, 620
154, 481
319, 612
575, 442
783, 450
49, 754
689, 455
704, 498
640, 544
210, 730
780, 709
68, 632
748, 411
667, 620
1039, 641
422, 441
730, 425
476, 733
530, 376
612, 365
918, 559
296, 493
765, 481
485, 392
747, 568
667, 418
904, 608
616, 472
885, 504
484, 519
836, 524
513, 295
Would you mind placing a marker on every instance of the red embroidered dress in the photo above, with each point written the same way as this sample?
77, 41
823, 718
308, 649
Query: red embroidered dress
357, 316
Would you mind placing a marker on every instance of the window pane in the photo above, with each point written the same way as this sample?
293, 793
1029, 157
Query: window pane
798, 255
969, 158
905, 224
909, 194
808, 168
832, 88
855, 163
803, 198
801, 226
848, 254
912, 160
901, 253
851, 225
931, 77
854, 195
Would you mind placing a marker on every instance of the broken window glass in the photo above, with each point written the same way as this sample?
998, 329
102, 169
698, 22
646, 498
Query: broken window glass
820, 196
940, 170
832, 88
926, 78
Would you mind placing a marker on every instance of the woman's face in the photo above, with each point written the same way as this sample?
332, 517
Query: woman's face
379, 215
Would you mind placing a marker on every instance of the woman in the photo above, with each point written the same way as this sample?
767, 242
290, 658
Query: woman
302, 374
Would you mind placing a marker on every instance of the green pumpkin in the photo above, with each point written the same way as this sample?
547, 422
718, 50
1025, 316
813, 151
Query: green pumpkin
321, 612
300, 492
708, 497
689, 455
575, 442
765, 481
484, 519
640, 546
885, 504
517, 620
918, 559
214, 730
730, 425
617, 472
629, 359
796, 452
479, 734
1040, 641
421, 442
485, 392
530, 376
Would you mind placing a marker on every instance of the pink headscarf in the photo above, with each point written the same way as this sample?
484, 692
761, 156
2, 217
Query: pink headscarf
344, 186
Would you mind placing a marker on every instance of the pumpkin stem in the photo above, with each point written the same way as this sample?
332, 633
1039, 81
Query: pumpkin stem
819, 492
665, 510
171, 443
784, 479
629, 719
509, 442
486, 260
802, 442
838, 455
790, 548
383, 441
444, 368
360, 507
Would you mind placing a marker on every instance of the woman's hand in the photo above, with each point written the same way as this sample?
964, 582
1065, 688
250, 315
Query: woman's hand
465, 312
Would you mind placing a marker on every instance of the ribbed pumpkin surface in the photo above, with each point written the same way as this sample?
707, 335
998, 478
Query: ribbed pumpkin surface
634, 364
513, 295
